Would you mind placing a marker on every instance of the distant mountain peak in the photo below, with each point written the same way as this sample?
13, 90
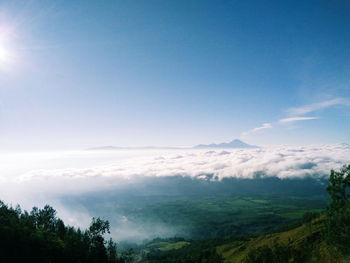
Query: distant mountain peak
236, 143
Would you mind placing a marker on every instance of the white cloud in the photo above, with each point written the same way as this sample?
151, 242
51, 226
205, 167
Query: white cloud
297, 111
293, 119
280, 161
318, 106
262, 127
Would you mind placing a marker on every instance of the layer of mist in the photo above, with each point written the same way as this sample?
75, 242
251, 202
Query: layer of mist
107, 184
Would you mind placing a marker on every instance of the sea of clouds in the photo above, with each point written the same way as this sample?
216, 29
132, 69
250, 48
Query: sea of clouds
97, 170
279, 161
39, 178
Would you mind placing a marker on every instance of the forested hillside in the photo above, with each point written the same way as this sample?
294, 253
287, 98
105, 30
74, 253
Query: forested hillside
324, 238
39, 236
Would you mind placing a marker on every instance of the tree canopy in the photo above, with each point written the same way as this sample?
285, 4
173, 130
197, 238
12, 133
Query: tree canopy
40, 236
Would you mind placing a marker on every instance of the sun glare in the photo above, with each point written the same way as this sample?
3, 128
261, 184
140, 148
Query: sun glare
4, 54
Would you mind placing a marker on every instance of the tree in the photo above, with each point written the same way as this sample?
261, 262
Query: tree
40, 236
127, 256
112, 251
97, 229
338, 211
339, 182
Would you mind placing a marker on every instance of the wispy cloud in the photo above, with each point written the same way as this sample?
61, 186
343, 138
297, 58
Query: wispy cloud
264, 126
318, 106
296, 112
293, 119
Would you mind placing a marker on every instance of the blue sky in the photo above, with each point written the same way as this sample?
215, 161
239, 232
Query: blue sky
78, 74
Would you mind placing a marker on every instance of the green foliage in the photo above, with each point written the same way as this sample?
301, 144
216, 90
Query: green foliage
323, 237
39, 236
219, 216
277, 253
194, 252
127, 256
339, 183
309, 216
111, 250
98, 227
338, 212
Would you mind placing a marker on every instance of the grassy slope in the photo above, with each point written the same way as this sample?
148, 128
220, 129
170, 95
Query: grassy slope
160, 246
306, 237
165, 246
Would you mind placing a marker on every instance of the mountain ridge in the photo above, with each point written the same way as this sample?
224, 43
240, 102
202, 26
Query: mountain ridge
236, 143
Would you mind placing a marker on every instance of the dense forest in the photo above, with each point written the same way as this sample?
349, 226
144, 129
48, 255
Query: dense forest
40, 236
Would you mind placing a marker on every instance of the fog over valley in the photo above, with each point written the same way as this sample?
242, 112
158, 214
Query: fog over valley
116, 184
